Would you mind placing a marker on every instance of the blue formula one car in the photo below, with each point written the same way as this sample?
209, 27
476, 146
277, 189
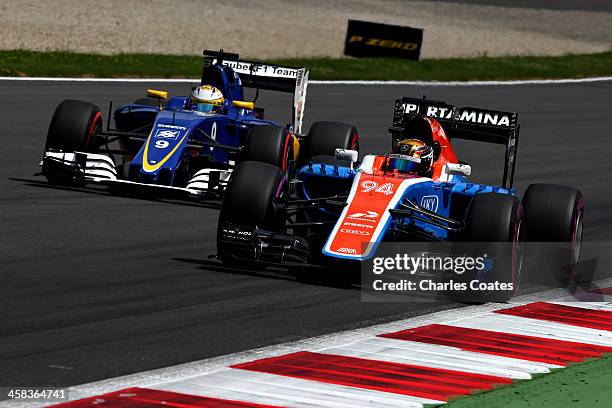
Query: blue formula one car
336, 209
185, 144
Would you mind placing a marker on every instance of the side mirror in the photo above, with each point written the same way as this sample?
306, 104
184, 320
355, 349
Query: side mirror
347, 155
153, 93
243, 105
458, 169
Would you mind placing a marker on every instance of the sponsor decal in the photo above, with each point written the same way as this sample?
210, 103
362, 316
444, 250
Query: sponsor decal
347, 250
248, 68
369, 216
167, 134
366, 39
163, 125
439, 112
355, 224
464, 115
484, 118
430, 202
354, 232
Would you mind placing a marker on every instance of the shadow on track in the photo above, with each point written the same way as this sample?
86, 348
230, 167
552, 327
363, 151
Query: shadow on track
280, 273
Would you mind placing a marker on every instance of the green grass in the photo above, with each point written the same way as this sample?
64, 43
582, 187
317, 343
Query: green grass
585, 385
53, 64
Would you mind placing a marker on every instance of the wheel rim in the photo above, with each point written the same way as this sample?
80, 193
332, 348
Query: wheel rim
355, 142
287, 150
517, 255
94, 129
577, 238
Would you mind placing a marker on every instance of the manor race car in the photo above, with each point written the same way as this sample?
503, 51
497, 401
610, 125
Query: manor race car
336, 209
183, 144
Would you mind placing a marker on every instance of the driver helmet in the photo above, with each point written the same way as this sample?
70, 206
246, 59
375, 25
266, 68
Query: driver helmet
419, 153
207, 98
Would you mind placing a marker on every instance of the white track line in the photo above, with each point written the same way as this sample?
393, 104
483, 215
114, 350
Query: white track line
314, 82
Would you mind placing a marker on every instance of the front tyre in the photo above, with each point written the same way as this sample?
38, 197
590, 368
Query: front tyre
249, 202
74, 127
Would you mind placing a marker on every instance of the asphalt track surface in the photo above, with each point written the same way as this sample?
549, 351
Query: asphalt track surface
94, 285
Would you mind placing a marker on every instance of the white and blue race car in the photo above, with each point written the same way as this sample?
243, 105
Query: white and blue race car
335, 210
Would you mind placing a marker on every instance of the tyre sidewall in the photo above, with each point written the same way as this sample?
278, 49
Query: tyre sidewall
249, 200
494, 227
73, 126
250, 194
325, 137
554, 217
268, 144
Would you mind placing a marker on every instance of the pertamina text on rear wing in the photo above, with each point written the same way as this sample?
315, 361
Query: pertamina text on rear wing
483, 125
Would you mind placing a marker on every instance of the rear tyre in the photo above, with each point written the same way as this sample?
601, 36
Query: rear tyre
555, 213
269, 144
492, 221
74, 127
249, 202
325, 137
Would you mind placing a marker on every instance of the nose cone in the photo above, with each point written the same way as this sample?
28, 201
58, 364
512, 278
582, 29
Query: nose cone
160, 155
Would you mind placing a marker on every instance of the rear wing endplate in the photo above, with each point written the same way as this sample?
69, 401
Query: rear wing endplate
482, 125
266, 76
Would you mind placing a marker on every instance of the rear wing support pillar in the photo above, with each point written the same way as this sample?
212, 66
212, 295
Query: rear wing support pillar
510, 159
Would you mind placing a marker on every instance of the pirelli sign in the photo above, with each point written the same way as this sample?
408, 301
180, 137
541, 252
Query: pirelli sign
366, 39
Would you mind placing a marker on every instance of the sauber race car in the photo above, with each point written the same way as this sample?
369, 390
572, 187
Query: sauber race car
335, 208
184, 144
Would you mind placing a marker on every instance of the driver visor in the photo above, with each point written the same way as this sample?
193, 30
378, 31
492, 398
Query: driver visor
403, 165
204, 107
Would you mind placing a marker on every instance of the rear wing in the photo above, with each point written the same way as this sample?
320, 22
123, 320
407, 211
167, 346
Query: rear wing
482, 125
265, 76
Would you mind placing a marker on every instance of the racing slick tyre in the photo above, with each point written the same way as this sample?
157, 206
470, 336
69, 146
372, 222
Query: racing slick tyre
554, 214
494, 231
249, 202
269, 144
325, 137
73, 127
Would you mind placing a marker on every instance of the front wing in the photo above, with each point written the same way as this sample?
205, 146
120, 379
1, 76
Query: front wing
83, 168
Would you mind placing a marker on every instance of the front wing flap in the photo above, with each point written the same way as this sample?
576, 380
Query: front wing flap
82, 168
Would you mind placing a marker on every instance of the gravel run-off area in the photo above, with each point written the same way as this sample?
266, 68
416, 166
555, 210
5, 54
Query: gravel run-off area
290, 28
